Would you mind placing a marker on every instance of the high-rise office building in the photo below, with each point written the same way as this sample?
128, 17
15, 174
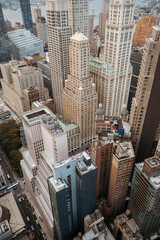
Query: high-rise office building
72, 193
145, 196
136, 58
4, 42
78, 14
58, 33
26, 14
114, 74
121, 169
102, 152
47, 143
80, 97
91, 23
103, 16
41, 29
145, 113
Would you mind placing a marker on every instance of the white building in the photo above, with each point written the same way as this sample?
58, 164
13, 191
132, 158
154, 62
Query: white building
78, 16
23, 42
113, 75
58, 33
47, 144
41, 30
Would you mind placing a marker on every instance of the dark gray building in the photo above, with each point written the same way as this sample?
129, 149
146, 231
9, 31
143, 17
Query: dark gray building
70, 204
136, 57
26, 14
4, 42
61, 208
86, 191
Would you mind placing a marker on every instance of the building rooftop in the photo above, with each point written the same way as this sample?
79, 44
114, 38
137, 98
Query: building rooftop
95, 227
124, 150
16, 221
44, 116
23, 38
151, 169
58, 184
78, 36
128, 227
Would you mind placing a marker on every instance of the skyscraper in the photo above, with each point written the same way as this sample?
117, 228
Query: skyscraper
41, 29
47, 143
4, 42
102, 152
91, 23
106, 5
59, 33
75, 180
145, 113
114, 75
80, 97
26, 14
145, 196
78, 16
121, 169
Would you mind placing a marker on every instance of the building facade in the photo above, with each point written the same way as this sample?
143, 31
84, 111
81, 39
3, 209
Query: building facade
144, 106
145, 196
121, 169
91, 23
58, 34
113, 79
102, 152
23, 43
78, 15
4, 42
47, 143
26, 14
17, 77
136, 58
80, 97
41, 30
143, 29
79, 173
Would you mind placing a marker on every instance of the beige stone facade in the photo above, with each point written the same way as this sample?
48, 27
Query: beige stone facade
80, 97
145, 83
58, 34
17, 77
112, 76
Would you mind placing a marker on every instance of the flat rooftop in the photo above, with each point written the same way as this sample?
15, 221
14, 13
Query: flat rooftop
57, 184
44, 116
16, 221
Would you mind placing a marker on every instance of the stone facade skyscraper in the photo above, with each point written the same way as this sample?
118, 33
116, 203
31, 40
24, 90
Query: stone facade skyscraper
78, 15
26, 14
114, 74
80, 97
145, 113
59, 33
